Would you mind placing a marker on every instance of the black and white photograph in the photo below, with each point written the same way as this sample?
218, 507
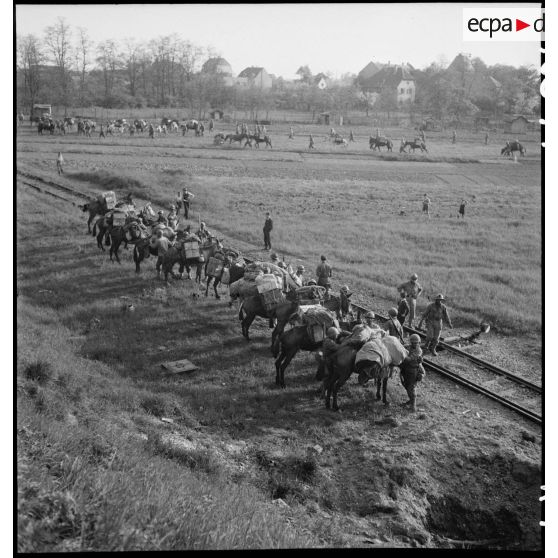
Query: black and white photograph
279, 277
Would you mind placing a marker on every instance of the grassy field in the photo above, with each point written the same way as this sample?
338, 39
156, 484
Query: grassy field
238, 463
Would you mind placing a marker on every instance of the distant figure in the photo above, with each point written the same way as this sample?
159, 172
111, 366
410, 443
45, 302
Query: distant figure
151, 131
237, 129
267, 228
101, 132
377, 132
332, 132
186, 199
311, 144
59, 162
298, 277
323, 272
462, 208
422, 136
172, 218
486, 138
412, 371
264, 131
426, 205
453, 136
291, 133
211, 125
351, 137
393, 325
345, 307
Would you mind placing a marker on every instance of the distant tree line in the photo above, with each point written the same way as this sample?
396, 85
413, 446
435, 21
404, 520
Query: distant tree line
64, 67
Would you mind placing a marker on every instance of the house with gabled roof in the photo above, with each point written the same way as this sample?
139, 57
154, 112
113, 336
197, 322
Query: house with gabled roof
397, 79
254, 76
219, 66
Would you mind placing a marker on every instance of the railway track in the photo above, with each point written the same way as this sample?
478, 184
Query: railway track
429, 365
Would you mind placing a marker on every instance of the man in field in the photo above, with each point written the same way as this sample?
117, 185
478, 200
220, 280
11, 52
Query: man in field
323, 272
422, 136
298, 276
435, 313
267, 228
412, 289
203, 233
311, 144
101, 132
161, 218
172, 218
462, 209
186, 199
211, 125
291, 133
454, 137
345, 307
151, 130
59, 162
412, 371
486, 138
161, 244
351, 136
426, 205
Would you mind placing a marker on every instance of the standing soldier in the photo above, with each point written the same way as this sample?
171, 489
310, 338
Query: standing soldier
453, 136
435, 313
297, 277
267, 228
351, 137
264, 130
462, 209
426, 205
210, 125
323, 272
291, 133
172, 217
161, 217
412, 289
202, 232
412, 370
161, 244
422, 136
186, 198
486, 138
151, 130
237, 129
402, 308
345, 307
392, 326
311, 144
59, 161
101, 132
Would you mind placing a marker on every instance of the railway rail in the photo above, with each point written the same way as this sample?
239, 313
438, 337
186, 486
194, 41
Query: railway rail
477, 388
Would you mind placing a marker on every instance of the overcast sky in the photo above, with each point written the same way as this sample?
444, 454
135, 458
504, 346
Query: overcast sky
338, 38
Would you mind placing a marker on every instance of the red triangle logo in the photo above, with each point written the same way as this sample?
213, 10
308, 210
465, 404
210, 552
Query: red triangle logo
519, 25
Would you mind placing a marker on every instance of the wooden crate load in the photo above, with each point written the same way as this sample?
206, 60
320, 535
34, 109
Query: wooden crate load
108, 199
118, 218
268, 282
271, 299
316, 332
192, 249
215, 267
312, 294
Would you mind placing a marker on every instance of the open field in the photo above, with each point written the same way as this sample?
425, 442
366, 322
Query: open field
243, 464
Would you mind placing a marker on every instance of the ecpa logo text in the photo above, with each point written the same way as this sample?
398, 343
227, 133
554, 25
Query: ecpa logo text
495, 24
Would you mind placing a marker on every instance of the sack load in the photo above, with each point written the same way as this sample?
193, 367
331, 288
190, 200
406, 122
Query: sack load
315, 316
192, 249
268, 282
362, 333
214, 267
243, 288
252, 271
271, 299
226, 276
395, 348
374, 351
275, 269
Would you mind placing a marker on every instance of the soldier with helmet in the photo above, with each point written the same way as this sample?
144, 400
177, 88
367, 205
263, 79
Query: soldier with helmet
297, 277
412, 370
403, 308
203, 233
161, 217
344, 301
412, 290
435, 313
392, 325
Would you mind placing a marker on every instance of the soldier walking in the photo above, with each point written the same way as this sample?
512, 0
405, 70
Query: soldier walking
393, 326
435, 314
291, 133
412, 371
462, 209
453, 136
402, 308
267, 228
101, 132
59, 162
186, 199
412, 289
486, 138
351, 137
323, 272
311, 144
426, 205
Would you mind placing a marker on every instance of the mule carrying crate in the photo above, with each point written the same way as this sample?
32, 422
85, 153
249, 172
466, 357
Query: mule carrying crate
109, 199
215, 267
118, 218
316, 333
270, 299
192, 250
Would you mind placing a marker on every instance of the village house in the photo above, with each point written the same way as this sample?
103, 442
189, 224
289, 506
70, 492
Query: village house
254, 77
219, 66
395, 79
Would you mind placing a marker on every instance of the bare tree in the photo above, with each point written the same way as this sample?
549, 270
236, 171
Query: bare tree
109, 60
133, 58
84, 47
29, 58
58, 43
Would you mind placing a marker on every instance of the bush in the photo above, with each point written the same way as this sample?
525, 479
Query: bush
39, 371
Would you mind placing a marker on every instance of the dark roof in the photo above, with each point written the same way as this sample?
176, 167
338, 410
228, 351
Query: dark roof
388, 76
211, 65
369, 70
250, 72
